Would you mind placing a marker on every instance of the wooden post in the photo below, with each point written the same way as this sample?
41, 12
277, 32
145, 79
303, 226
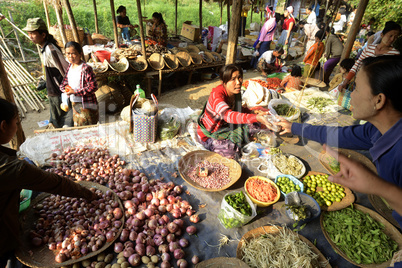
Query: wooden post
116, 35
96, 17
354, 29
59, 15
221, 9
70, 15
233, 32
6, 93
228, 11
17, 37
252, 11
46, 14
141, 29
200, 14
175, 17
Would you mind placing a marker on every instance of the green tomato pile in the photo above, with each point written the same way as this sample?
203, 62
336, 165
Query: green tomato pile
286, 185
330, 193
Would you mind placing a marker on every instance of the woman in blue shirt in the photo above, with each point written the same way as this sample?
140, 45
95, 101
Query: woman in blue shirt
377, 99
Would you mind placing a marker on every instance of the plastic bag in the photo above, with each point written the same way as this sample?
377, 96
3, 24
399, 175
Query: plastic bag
169, 129
230, 217
275, 102
266, 138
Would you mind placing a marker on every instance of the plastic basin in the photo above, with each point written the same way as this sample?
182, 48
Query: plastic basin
258, 202
27, 195
103, 55
293, 179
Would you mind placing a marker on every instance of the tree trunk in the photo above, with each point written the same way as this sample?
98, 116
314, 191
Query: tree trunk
141, 29
116, 35
96, 17
354, 29
7, 94
59, 15
233, 32
70, 15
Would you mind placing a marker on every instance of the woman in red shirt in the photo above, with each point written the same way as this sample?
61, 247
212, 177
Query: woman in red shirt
287, 27
222, 126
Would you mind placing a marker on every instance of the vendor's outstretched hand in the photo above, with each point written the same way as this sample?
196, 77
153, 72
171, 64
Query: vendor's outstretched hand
285, 125
354, 175
265, 122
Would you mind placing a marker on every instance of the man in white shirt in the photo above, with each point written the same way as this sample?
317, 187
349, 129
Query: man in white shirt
338, 26
267, 63
310, 29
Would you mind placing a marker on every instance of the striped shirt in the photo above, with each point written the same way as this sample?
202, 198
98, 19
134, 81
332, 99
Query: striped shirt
368, 52
218, 113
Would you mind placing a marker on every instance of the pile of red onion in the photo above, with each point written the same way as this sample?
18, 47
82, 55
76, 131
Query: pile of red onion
74, 227
87, 164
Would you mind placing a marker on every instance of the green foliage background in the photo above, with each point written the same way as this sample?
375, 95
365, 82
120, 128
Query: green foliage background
382, 11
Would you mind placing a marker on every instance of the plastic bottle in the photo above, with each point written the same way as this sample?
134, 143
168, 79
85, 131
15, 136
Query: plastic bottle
138, 90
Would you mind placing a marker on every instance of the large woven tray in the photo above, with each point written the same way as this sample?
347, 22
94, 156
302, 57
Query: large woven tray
222, 262
345, 202
273, 230
389, 230
192, 158
383, 208
325, 159
41, 257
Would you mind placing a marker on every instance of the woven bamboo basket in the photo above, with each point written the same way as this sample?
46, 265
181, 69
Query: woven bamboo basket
217, 56
54, 30
156, 61
205, 57
210, 56
139, 64
201, 47
121, 66
196, 58
171, 61
192, 48
184, 58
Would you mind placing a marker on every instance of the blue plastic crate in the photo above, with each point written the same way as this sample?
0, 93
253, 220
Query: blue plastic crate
293, 179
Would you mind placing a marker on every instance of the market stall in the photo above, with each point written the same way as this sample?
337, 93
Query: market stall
164, 161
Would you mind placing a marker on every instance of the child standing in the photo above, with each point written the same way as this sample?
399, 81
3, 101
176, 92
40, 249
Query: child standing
292, 82
313, 55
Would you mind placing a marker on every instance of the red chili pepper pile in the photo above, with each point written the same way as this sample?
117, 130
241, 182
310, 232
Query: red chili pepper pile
271, 83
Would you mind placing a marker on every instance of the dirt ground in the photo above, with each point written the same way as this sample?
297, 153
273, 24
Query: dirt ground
192, 95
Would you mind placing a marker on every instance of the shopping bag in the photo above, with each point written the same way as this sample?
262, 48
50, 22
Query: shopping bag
143, 127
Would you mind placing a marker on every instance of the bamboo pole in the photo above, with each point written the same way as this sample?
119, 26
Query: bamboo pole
228, 13
6, 92
233, 32
71, 19
175, 17
200, 15
116, 35
96, 17
354, 29
17, 37
141, 29
221, 10
59, 15
252, 11
46, 14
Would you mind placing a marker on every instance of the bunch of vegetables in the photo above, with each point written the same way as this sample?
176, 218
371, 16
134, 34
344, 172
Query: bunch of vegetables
235, 210
319, 103
359, 236
238, 201
322, 190
285, 110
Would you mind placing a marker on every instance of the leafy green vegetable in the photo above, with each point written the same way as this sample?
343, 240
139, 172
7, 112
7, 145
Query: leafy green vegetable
238, 201
285, 110
334, 165
319, 103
